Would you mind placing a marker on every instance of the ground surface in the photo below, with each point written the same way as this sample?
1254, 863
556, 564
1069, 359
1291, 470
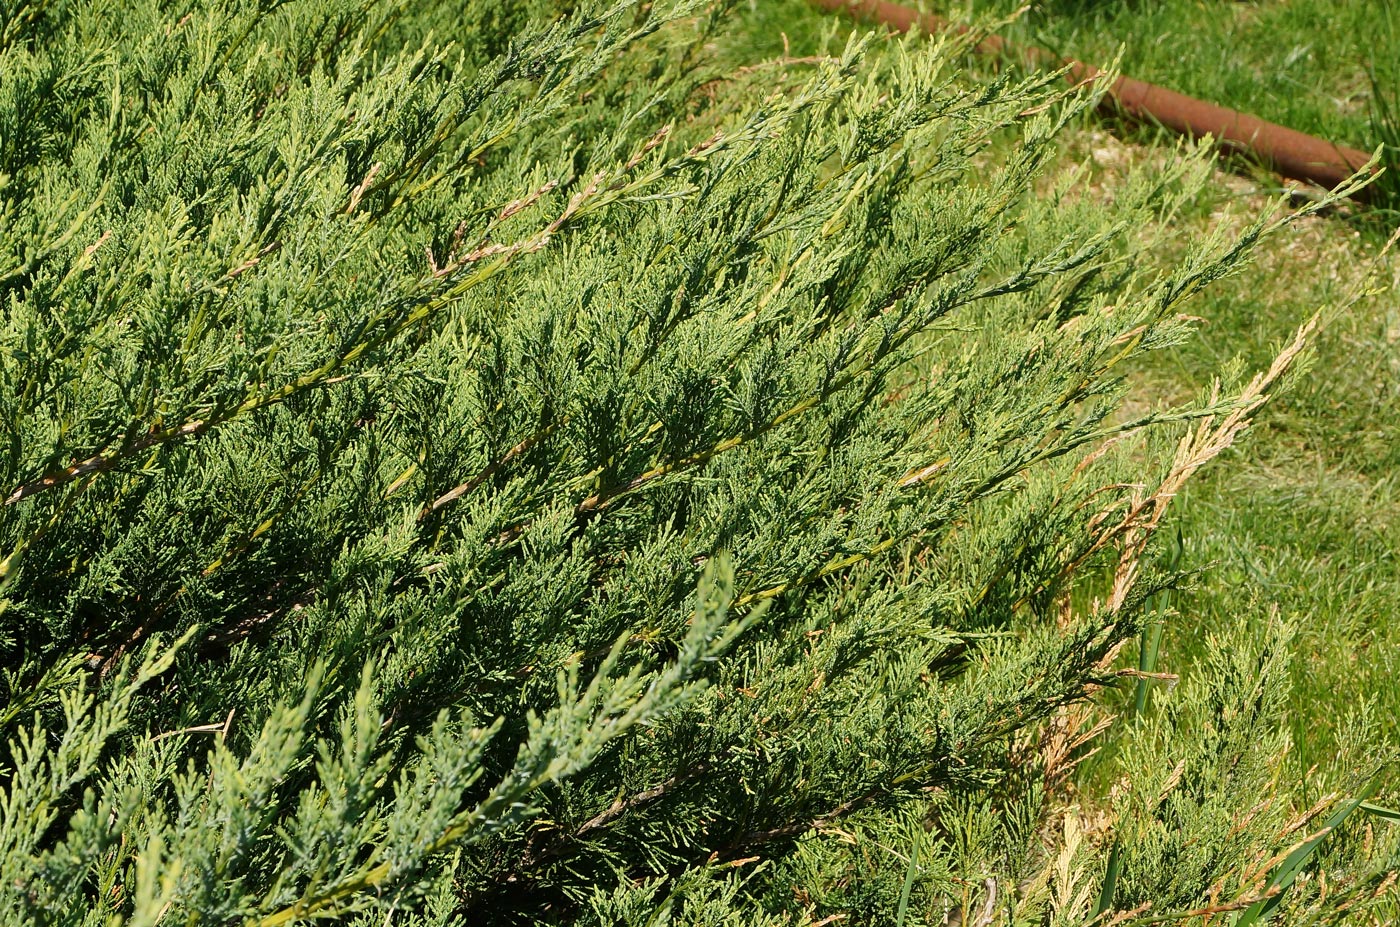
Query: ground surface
1303, 63
1301, 522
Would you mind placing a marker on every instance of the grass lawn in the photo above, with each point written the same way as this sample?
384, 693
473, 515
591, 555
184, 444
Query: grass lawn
1330, 68
1302, 519
1303, 63
1305, 518
1300, 523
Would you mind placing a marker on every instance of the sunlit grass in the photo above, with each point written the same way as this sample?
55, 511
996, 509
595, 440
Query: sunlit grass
1301, 522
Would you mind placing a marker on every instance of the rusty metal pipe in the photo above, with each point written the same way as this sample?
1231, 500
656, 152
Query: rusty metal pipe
1291, 153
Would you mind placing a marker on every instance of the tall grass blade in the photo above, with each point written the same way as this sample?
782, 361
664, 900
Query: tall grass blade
909, 875
1376, 811
1385, 124
1110, 882
1289, 870
1149, 651
1151, 641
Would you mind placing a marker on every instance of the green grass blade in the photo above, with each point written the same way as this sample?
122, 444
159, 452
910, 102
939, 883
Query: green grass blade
1390, 814
1147, 658
908, 882
1289, 870
1149, 648
1110, 882
1385, 123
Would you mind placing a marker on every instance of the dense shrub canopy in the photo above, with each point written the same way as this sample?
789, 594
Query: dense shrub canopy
485, 463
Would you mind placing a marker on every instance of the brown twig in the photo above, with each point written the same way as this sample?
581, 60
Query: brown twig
457, 492
99, 463
558, 846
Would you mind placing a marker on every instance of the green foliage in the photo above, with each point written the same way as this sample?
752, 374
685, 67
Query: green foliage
584, 483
